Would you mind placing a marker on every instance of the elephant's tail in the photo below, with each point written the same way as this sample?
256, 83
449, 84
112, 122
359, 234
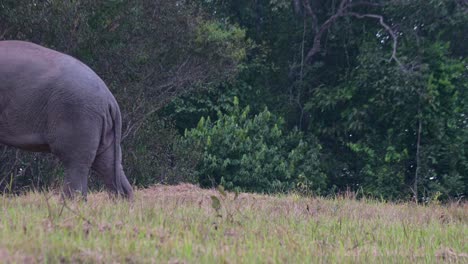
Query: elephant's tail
123, 187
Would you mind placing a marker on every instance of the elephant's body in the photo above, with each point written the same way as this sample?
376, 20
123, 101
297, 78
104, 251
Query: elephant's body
51, 102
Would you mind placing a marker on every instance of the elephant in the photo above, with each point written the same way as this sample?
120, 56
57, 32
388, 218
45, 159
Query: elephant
51, 102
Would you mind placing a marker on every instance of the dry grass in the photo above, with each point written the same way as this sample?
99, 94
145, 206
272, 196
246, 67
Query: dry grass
185, 224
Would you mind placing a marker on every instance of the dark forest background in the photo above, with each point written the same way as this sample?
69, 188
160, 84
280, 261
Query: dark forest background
311, 96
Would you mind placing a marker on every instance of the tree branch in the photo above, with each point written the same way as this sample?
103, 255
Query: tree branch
351, 5
344, 9
309, 12
324, 27
389, 31
418, 154
5, 32
297, 6
182, 78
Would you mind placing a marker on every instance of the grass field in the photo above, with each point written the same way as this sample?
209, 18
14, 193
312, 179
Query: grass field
185, 224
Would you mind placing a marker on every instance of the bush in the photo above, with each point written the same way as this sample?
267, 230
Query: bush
253, 153
155, 155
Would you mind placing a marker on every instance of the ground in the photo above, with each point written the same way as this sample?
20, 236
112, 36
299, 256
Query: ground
186, 224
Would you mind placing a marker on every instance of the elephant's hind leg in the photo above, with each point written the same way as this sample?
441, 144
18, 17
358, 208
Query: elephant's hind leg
105, 166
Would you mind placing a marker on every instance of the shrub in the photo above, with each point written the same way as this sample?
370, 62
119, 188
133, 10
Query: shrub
156, 155
253, 153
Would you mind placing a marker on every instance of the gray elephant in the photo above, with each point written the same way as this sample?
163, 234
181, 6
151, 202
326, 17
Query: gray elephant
51, 102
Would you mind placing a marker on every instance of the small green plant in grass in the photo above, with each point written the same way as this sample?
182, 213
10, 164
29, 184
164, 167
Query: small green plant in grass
222, 204
9, 185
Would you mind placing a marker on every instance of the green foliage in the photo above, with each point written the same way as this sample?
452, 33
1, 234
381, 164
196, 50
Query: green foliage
190, 58
156, 155
225, 38
254, 153
444, 100
373, 117
148, 52
249, 86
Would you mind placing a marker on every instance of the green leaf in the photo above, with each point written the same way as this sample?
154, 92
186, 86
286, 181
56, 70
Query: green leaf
215, 203
222, 191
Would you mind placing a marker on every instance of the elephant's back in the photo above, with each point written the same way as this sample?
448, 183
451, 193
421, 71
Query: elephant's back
25, 65
21, 56
17, 57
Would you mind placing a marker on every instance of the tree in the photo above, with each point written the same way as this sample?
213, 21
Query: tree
380, 85
148, 52
358, 75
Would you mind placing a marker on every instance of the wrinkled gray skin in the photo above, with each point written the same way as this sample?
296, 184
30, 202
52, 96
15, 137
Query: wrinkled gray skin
51, 102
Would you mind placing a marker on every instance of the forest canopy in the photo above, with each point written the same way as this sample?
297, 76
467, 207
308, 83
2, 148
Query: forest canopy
313, 96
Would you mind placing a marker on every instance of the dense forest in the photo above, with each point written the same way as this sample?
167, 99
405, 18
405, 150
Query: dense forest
311, 96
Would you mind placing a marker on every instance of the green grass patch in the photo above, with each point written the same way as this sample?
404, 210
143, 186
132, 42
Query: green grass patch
185, 224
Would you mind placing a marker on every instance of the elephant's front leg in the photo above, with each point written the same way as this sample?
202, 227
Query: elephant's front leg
75, 142
76, 181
